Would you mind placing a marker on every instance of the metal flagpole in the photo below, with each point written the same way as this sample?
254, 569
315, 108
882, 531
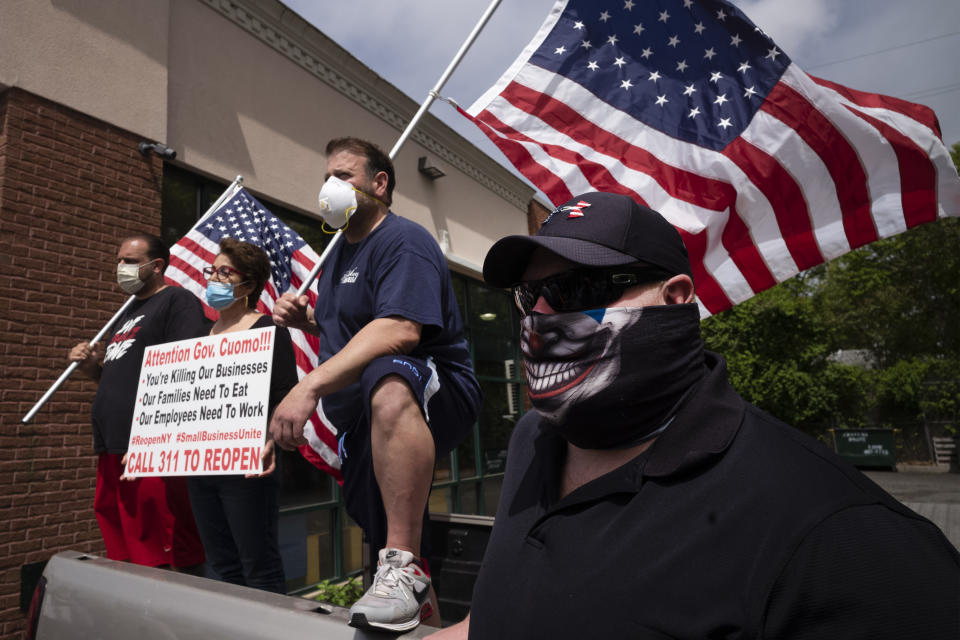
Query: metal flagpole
431, 96
226, 195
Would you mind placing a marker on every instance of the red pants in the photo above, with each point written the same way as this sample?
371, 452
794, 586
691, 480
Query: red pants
147, 521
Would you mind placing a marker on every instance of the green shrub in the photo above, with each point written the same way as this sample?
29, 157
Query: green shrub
342, 594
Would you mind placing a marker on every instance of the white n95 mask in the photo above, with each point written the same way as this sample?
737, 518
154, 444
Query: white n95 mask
338, 201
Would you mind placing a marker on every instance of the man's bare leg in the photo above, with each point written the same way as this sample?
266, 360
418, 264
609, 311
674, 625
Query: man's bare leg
403, 458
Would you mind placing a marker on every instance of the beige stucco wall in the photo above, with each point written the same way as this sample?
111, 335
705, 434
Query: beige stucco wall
198, 79
106, 58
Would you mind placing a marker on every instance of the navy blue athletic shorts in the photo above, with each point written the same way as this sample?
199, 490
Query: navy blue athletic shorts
450, 404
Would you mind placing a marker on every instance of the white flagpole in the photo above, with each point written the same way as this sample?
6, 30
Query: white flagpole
226, 195
431, 96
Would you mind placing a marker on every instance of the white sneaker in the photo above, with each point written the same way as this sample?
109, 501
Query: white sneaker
400, 590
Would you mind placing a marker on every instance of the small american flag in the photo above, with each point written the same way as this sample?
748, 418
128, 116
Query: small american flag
242, 217
689, 108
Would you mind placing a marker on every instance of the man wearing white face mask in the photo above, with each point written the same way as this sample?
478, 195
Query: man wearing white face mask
146, 521
395, 377
644, 498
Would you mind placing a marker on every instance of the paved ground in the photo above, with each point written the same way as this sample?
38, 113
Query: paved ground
935, 496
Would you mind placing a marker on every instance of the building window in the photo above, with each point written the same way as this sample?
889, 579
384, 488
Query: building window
318, 540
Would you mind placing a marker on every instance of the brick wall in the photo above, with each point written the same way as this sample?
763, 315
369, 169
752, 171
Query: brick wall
70, 188
536, 214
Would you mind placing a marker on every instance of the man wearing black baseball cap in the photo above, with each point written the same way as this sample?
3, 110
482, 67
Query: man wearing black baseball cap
644, 498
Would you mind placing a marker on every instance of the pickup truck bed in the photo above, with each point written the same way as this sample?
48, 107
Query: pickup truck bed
94, 598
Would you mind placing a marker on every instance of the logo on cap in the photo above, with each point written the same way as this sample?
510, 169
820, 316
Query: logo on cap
572, 210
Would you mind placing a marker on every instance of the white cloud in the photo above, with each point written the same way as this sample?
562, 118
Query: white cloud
792, 24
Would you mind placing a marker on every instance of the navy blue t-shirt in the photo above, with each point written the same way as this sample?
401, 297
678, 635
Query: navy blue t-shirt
397, 270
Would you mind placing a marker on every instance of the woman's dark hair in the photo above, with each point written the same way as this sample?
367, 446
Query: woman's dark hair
251, 261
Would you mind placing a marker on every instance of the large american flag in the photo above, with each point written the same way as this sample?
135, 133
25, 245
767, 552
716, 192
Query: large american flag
689, 108
242, 217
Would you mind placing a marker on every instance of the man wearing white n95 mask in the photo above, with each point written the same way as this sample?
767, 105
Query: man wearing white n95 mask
395, 377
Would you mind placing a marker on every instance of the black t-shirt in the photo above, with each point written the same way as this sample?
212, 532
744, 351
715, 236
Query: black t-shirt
169, 315
283, 376
732, 525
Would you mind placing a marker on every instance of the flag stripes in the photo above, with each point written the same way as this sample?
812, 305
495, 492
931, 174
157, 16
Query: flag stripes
291, 259
817, 169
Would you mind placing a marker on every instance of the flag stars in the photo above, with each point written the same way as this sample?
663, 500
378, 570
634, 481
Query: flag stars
689, 90
721, 16
628, 5
662, 100
612, 39
654, 75
560, 50
586, 44
715, 76
626, 84
720, 99
592, 65
604, 16
578, 25
750, 92
699, 28
638, 28
724, 123
694, 112
646, 53
744, 67
619, 62
687, 4
772, 54
673, 42
682, 66
664, 16
709, 53
736, 40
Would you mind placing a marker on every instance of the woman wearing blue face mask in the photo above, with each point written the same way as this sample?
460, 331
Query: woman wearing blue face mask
237, 515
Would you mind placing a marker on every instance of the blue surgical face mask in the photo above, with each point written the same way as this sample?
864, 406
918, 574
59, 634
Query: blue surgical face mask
220, 294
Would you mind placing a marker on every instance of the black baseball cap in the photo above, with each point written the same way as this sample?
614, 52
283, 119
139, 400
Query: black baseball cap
595, 230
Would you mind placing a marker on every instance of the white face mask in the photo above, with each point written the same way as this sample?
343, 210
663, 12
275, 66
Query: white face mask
338, 201
128, 277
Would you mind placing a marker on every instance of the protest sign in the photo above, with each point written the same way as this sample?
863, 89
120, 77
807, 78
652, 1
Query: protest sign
202, 406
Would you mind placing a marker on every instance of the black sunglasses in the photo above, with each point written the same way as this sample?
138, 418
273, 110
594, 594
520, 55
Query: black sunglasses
582, 289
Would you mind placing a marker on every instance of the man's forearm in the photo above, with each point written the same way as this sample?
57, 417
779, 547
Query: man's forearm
91, 369
310, 326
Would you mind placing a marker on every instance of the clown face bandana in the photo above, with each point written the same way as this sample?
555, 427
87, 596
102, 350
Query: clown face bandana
605, 378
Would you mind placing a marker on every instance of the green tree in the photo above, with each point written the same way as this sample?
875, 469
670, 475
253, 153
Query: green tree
897, 300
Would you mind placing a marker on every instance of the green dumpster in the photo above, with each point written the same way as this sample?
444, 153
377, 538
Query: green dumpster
866, 447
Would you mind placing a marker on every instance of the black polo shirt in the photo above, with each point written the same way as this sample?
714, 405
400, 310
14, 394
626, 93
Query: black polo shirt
732, 525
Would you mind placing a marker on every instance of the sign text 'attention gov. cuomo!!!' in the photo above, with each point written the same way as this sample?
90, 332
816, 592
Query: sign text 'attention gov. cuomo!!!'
202, 406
